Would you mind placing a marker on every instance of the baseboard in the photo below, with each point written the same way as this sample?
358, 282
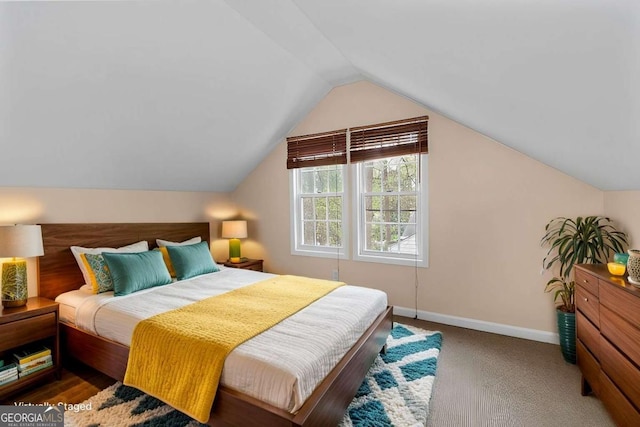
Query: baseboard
480, 325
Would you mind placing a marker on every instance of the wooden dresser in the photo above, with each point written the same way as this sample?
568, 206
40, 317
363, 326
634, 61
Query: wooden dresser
608, 344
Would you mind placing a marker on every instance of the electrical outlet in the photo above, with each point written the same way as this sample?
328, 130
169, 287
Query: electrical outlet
334, 275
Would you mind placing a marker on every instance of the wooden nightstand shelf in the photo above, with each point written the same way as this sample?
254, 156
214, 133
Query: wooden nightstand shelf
249, 264
34, 323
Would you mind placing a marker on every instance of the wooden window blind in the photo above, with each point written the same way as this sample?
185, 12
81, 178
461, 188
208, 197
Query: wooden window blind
389, 139
320, 149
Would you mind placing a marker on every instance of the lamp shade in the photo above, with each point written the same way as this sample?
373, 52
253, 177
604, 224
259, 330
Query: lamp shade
20, 241
234, 229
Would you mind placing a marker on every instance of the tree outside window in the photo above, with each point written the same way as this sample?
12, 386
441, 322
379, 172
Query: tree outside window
389, 203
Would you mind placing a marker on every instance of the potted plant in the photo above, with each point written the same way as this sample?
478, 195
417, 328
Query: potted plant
587, 240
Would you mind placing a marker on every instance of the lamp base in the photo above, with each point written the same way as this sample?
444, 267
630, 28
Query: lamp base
234, 250
14, 283
14, 303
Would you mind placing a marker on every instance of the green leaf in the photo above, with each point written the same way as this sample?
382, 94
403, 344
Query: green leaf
590, 239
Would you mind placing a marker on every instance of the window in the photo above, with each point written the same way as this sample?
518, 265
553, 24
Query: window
389, 193
391, 205
318, 205
319, 209
390, 210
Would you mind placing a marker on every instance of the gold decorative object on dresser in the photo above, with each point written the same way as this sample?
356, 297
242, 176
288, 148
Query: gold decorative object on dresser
608, 345
34, 325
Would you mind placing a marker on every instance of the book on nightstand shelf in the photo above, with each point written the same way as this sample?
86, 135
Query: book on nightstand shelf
29, 354
9, 376
35, 369
35, 362
8, 373
8, 379
6, 370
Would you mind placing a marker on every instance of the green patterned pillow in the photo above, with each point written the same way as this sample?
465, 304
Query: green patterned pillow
98, 272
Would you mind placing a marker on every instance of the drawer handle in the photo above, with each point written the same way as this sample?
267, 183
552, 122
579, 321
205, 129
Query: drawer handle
585, 280
586, 299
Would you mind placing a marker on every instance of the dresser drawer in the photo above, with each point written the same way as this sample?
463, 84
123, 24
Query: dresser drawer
21, 332
588, 304
621, 410
589, 367
622, 372
623, 334
588, 334
621, 302
587, 281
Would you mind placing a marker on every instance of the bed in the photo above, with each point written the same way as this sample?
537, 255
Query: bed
59, 273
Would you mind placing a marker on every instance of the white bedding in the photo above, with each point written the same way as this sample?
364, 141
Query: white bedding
309, 343
70, 301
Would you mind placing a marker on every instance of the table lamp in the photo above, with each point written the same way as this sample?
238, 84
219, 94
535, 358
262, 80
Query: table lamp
18, 242
234, 231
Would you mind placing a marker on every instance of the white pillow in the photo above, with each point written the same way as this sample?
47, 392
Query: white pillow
191, 241
141, 246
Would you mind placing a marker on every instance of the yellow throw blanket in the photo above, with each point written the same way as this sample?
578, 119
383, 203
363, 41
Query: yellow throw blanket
178, 356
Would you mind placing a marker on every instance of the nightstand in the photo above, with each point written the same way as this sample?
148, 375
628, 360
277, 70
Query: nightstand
34, 323
248, 264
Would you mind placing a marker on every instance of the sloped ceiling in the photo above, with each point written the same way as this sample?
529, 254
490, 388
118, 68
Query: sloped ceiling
192, 95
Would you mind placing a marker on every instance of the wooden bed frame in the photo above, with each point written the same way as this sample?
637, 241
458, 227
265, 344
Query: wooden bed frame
58, 273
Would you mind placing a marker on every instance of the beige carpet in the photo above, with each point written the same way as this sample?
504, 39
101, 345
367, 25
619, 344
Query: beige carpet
491, 380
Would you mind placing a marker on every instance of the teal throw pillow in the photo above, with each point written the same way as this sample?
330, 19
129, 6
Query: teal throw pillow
132, 272
191, 260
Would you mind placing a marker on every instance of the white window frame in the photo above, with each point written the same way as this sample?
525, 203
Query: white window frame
421, 259
297, 248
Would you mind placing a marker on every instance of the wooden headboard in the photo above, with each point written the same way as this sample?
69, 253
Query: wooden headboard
58, 271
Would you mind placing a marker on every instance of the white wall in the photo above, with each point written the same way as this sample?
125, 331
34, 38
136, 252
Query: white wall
624, 208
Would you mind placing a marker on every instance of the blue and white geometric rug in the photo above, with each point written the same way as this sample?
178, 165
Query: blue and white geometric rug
397, 388
395, 392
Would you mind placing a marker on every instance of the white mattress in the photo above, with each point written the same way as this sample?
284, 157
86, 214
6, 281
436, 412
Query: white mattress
309, 343
70, 301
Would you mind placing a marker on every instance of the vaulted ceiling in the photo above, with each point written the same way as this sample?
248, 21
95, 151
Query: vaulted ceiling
192, 95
